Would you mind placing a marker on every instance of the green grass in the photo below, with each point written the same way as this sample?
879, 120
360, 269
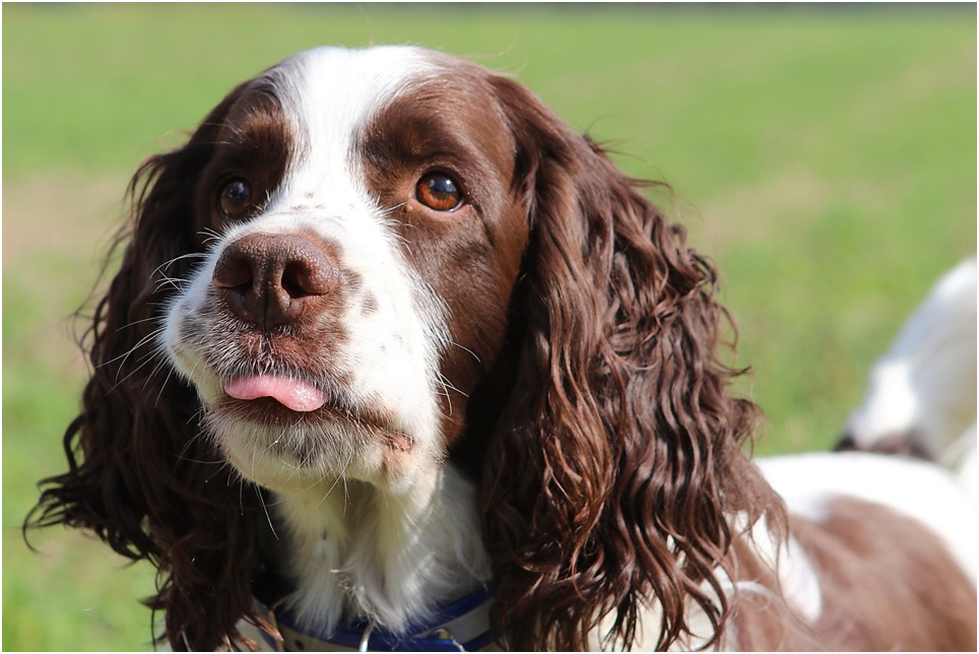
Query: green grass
823, 156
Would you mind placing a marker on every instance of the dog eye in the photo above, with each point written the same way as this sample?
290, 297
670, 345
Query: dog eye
439, 191
235, 198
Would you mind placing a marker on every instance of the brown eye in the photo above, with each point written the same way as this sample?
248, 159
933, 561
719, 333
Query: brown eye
438, 191
236, 198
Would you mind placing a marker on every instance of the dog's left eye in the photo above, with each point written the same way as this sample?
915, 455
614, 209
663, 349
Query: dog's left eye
235, 198
439, 191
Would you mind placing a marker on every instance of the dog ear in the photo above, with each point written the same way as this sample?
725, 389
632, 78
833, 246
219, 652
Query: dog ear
140, 474
608, 482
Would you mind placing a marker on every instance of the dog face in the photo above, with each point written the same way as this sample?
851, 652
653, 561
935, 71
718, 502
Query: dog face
363, 235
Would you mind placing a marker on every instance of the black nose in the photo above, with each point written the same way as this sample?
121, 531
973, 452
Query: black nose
845, 443
271, 279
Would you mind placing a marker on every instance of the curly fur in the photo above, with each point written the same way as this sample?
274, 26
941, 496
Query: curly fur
619, 431
140, 475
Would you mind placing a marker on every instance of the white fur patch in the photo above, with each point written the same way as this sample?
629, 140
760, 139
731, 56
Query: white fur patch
389, 557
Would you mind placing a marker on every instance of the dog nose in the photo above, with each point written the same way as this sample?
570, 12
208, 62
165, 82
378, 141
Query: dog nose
845, 443
270, 280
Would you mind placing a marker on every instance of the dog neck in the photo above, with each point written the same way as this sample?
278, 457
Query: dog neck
358, 552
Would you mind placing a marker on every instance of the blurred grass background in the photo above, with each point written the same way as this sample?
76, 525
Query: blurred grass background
824, 156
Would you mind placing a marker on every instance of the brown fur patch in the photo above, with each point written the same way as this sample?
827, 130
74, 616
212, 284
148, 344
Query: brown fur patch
887, 583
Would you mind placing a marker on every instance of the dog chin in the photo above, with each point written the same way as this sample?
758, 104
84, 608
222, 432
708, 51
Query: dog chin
289, 451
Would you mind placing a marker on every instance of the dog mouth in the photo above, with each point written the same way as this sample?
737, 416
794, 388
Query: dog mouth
279, 400
292, 393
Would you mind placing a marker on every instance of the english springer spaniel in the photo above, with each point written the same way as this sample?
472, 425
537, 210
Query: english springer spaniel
395, 359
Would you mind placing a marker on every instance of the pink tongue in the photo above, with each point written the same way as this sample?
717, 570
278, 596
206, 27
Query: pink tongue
292, 393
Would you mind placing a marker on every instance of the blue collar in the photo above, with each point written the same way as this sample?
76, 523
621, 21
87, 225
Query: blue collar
462, 626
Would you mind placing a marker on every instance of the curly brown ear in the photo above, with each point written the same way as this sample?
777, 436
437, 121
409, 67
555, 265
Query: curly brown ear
140, 475
616, 465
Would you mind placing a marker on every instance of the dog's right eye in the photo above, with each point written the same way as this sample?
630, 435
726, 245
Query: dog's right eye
235, 198
439, 191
